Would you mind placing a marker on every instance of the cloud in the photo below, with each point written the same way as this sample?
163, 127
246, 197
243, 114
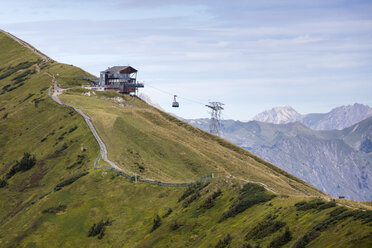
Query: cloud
242, 52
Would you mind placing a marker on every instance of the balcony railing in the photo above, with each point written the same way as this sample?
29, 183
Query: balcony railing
127, 85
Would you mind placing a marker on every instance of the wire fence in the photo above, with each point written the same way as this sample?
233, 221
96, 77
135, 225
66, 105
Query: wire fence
135, 177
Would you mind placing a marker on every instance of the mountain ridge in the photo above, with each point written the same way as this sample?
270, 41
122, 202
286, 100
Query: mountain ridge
338, 118
62, 201
297, 148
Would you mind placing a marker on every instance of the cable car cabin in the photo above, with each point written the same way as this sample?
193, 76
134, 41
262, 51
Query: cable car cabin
120, 78
175, 104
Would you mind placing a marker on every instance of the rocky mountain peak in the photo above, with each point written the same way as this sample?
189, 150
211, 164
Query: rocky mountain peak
279, 115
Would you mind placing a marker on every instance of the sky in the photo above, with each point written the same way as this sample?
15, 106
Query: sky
250, 55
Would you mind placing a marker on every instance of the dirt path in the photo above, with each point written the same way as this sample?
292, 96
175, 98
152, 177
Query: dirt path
103, 150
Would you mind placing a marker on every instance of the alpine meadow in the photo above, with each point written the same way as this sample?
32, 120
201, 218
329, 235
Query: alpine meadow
175, 186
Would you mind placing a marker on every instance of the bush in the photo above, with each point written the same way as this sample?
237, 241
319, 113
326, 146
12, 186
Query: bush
62, 148
224, 242
69, 180
364, 216
28, 97
3, 183
190, 199
98, 229
335, 216
141, 168
174, 226
54, 210
73, 129
337, 211
250, 195
27, 162
306, 239
11, 70
62, 136
281, 239
192, 189
317, 204
15, 87
80, 158
168, 213
209, 202
264, 228
22, 76
36, 101
79, 161
156, 223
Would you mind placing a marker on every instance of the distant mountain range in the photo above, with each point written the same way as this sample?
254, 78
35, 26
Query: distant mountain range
338, 162
149, 101
332, 151
338, 118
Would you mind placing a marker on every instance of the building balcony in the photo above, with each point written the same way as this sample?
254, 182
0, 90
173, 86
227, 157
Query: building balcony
126, 85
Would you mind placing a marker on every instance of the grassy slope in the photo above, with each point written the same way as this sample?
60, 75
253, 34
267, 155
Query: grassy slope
170, 150
132, 207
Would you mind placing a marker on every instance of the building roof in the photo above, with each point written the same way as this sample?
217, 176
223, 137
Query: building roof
121, 69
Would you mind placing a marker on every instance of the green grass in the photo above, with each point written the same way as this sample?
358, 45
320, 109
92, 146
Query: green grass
32, 214
148, 142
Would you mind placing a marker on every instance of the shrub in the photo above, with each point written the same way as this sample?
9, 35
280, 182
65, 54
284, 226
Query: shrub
192, 189
11, 70
73, 129
141, 168
364, 215
186, 193
168, 213
250, 195
27, 162
79, 161
317, 204
335, 216
209, 202
15, 87
224, 242
80, 158
36, 101
54, 210
3, 183
337, 211
190, 199
156, 223
22, 76
28, 97
264, 229
98, 229
69, 180
62, 136
174, 226
62, 147
281, 239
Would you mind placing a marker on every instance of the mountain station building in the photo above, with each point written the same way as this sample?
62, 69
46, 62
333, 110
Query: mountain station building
120, 78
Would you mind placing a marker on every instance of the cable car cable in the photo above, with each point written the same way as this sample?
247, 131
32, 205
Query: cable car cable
168, 93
